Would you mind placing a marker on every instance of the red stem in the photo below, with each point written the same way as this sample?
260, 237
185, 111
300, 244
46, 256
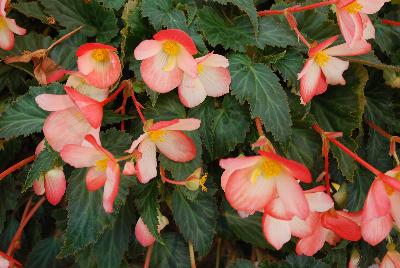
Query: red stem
11, 260
378, 129
296, 8
138, 106
259, 126
327, 176
16, 166
148, 256
365, 164
293, 24
165, 179
114, 94
391, 22
24, 222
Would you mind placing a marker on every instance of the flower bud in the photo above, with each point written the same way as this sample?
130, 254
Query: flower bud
129, 169
55, 185
142, 233
38, 185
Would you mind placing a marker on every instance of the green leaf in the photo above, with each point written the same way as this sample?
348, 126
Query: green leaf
316, 25
181, 171
370, 59
295, 261
115, 4
344, 114
259, 86
230, 125
30, 42
25, 117
44, 254
116, 141
242, 263
61, 54
274, 32
71, 14
235, 33
247, 229
110, 117
11, 78
147, 204
168, 107
87, 219
31, 9
113, 244
174, 253
196, 219
46, 160
358, 189
387, 37
163, 13
289, 66
9, 195
246, 6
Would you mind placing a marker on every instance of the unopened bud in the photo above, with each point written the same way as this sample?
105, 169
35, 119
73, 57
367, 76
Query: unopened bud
129, 169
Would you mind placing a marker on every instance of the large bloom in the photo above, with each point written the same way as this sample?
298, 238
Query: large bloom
104, 168
213, 80
168, 137
142, 233
353, 20
166, 58
99, 63
67, 123
250, 183
322, 68
7, 28
381, 207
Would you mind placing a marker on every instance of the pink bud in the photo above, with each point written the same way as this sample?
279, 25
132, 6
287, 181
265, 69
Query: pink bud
38, 186
129, 169
55, 185
142, 233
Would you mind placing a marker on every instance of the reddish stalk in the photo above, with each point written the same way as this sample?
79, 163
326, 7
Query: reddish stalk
293, 24
138, 106
391, 22
115, 93
122, 109
12, 262
165, 179
378, 129
259, 126
148, 256
296, 8
24, 221
16, 166
325, 151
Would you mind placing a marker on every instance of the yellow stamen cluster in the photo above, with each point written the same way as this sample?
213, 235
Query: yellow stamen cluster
389, 189
2, 23
321, 58
202, 182
101, 165
200, 68
353, 8
157, 135
171, 48
100, 55
268, 168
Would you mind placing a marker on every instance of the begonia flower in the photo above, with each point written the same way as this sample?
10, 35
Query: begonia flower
99, 63
53, 184
103, 168
322, 68
250, 183
353, 20
4, 263
165, 58
391, 258
168, 137
213, 80
142, 233
7, 28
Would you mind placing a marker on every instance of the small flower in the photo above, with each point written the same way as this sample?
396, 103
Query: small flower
195, 180
168, 137
392, 257
99, 63
250, 183
53, 183
7, 28
142, 233
353, 20
103, 168
322, 68
213, 80
166, 58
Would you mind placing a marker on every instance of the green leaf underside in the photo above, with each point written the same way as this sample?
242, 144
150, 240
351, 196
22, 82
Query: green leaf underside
174, 252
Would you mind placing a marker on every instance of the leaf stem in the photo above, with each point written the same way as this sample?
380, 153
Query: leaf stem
148, 256
293, 24
114, 94
16, 166
295, 8
191, 254
138, 106
391, 22
68, 35
165, 179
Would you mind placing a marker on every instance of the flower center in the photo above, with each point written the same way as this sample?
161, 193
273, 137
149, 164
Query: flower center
267, 168
353, 8
157, 135
171, 48
100, 55
2, 23
321, 58
389, 189
101, 165
200, 68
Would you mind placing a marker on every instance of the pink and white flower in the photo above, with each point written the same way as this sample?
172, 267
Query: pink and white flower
142, 233
391, 259
166, 58
52, 183
7, 28
213, 80
322, 68
67, 123
103, 168
250, 183
168, 137
353, 20
381, 208
99, 63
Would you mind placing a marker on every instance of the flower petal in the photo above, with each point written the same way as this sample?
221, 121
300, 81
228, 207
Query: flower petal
232, 164
377, 202
321, 46
38, 186
369, 29
136, 142
312, 82
186, 124
310, 245
276, 208
371, 7
95, 179
78, 82
277, 232
358, 48
53, 102
191, 91
187, 63
147, 49
177, 146
156, 78
105, 75
83, 49
376, 229
6, 38
333, 71
319, 201
350, 26
146, 166
342, 226
178, 36
111, 186
12, 25
216, 81
301, 228
55, 185
214, 60
142, 234
79, 156
129, 169
395, 207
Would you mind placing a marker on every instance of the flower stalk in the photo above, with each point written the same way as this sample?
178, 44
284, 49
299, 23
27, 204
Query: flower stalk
296, 8
191, 254
16, 166
148, 256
